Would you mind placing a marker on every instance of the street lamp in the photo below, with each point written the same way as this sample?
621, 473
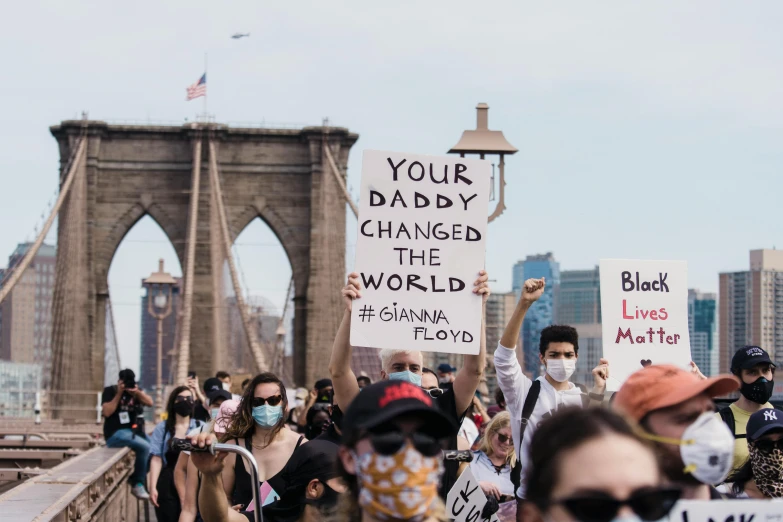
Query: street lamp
159, 287
483, 141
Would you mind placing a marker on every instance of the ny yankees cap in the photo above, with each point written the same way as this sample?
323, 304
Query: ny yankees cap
764, 421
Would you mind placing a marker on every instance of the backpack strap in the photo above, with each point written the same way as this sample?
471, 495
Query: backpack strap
527, 409
727, 416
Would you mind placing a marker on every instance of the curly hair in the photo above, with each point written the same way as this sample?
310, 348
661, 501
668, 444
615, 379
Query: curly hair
558, 333
242, 424
498, 422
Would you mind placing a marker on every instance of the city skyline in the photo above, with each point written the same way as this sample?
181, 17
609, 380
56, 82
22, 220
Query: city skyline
631, 150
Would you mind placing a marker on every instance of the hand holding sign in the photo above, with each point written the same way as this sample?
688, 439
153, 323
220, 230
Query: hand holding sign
601, 374
532, 290
481, 287
352, 290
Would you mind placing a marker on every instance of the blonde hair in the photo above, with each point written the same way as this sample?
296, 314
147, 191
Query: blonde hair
387, 354
498, 422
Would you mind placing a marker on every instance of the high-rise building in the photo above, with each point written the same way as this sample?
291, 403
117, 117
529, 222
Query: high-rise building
266, 319
500, 308
26, 335
19, 383
590, 352
578, 298
703, 331
751, 307
543, 313
149, 339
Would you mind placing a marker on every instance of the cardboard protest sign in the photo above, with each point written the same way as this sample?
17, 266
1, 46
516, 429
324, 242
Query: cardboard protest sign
421, 244
465, 500
727, 511
644, 311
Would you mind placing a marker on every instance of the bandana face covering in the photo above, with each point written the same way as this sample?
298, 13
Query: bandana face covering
767, 470
400, 486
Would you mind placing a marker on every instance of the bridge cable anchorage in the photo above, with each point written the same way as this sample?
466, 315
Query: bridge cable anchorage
183, 355
72, 168
250, 332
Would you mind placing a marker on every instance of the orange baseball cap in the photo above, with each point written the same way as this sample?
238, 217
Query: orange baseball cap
664, 385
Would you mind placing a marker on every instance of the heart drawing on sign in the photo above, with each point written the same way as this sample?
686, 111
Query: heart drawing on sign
645, 363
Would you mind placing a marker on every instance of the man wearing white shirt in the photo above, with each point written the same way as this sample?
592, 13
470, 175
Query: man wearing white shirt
559, 347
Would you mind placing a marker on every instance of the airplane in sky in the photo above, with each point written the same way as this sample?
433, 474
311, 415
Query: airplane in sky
237, 36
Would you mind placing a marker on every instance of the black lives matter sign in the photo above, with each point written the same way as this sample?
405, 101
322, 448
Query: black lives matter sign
644, 314
421, 242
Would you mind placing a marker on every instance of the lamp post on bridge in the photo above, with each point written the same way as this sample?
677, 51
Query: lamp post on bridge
159, 289
483, 141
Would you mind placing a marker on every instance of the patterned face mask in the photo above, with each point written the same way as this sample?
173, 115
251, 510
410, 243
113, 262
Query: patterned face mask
400, 486
767, 470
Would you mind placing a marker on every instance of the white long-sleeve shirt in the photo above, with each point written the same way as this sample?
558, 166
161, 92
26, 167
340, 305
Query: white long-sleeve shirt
515, 386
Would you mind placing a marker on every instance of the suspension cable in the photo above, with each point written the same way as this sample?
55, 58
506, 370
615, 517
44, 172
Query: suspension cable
183, 359
258, 355
72, 169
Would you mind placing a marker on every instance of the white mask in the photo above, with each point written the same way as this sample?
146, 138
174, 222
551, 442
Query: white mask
227, 386
706, 448
560, 369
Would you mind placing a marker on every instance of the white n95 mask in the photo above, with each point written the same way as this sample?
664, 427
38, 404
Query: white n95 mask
706, 448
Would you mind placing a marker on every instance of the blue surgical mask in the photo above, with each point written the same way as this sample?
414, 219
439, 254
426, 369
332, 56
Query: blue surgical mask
214, 413
407, 375
267, 416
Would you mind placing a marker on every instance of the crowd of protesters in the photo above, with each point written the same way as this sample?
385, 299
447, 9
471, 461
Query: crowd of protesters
547, 449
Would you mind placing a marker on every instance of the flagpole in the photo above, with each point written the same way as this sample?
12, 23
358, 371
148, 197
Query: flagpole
205, 90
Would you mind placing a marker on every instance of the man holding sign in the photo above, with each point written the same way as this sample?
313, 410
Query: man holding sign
529, 402
421, 242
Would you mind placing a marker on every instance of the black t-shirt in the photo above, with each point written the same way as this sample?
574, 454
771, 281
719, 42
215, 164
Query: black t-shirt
200, 412
448, 405
125, 414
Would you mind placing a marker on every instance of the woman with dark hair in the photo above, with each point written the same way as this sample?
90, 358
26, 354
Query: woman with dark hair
259, 426
318, 422
163, 491
391, 457
761, 477
589, 464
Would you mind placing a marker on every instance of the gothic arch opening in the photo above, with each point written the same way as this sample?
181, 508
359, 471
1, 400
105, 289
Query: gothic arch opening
265, 273
134, 260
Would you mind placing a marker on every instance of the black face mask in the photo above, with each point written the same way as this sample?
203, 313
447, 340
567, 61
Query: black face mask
183, 408
327, 500
759, 391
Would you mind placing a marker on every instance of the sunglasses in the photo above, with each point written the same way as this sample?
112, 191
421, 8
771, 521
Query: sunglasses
503, 439
649, 504
274, 400
768, 446
433, 392
183, 398
390, 442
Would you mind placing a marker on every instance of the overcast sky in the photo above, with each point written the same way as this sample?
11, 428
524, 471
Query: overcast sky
645, 129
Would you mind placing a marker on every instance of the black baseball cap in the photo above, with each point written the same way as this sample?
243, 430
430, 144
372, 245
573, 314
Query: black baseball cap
212, 384
446, 368
764, 421
213, 396
383, 401
749, 356
322, 383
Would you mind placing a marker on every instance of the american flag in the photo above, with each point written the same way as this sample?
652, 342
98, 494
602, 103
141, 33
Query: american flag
198, 89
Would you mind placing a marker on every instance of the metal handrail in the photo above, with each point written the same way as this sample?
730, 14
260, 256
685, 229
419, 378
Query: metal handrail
185, 445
